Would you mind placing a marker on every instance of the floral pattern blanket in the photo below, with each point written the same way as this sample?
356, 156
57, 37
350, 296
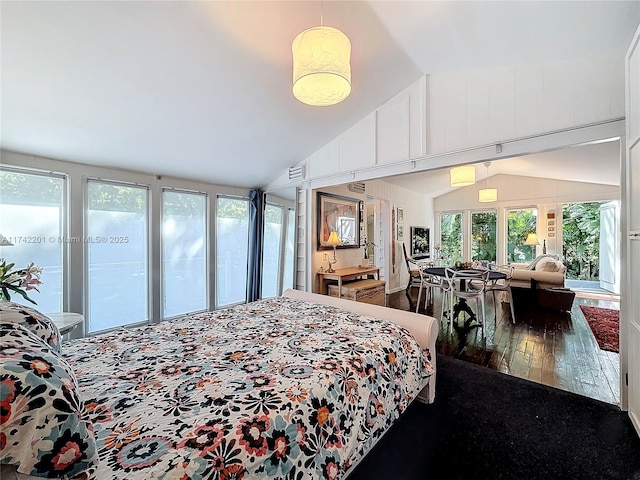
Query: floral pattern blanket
278, 388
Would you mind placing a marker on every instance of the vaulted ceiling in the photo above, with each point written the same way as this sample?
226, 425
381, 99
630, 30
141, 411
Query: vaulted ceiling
202, 89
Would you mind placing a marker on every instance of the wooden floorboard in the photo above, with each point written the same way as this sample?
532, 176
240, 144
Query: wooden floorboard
553, 348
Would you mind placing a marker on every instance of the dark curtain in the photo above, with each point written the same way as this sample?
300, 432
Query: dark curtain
256, 234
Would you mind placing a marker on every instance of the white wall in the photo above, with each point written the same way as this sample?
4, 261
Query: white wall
417, 211
435, 120
484, 106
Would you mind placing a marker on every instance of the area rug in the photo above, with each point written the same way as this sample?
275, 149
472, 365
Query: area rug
604, 323
487, 425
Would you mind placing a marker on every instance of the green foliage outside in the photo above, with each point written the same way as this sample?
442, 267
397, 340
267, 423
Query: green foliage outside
117, 198
520, 223
581, 240
28, 189
182, 204
483, 236
237, 209
451, 237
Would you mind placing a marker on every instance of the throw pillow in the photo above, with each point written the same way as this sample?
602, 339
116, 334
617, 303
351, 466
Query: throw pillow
46, 431
551, 266
534, 264
33, 320
540, 265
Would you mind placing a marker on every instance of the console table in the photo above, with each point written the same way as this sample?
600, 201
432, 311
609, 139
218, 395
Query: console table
343, 274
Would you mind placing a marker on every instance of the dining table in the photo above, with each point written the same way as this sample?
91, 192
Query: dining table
462, 305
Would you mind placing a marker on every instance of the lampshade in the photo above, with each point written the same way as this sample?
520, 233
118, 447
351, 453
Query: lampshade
321, 66
333, 239
487, 194
463, 176
532, 239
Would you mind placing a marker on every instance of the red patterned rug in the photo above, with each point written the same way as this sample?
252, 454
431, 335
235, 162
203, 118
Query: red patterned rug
604, 325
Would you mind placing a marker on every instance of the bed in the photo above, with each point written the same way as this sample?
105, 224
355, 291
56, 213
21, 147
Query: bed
295, 387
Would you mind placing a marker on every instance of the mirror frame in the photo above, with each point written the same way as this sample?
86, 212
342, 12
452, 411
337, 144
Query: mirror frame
326, 202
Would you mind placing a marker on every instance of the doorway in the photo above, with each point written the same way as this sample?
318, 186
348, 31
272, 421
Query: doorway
378, 233
590, 245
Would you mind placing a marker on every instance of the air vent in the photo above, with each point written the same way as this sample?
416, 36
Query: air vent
295, 172
356, 187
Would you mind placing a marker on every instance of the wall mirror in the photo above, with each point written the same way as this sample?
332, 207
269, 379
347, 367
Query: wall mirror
341, 215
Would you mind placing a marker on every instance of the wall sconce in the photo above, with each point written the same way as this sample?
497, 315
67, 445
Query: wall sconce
463, 176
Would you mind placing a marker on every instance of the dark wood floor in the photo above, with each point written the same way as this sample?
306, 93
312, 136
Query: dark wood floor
553, 348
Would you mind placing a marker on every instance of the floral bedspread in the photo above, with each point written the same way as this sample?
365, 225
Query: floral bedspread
278, 388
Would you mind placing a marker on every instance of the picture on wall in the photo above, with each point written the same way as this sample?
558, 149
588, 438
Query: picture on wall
420, 242
400, 224
341, 215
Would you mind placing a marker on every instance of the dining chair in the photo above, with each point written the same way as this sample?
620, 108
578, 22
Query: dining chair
429, 283
414, 270
504, 286
458, 282
447, 297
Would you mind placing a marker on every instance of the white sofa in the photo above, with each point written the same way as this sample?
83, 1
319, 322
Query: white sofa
546, 270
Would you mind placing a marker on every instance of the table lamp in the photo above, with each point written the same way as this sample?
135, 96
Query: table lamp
532, 239
333, 241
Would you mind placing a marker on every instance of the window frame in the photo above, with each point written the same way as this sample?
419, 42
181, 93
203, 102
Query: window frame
462, 230
471, 239
216, 304
207, 252
63, 226
506, 228
149, 255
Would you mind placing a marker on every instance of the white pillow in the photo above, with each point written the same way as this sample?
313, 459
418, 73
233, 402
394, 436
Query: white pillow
551, 266
541, 264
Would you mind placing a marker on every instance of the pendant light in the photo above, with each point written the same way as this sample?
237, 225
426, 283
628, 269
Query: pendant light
463, 176
321, 65
487, 194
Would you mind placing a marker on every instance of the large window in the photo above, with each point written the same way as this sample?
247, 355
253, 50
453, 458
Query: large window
520, 223
32, 216
483, 235
232, 244
117, 241
184, 252
272, 247
450, 237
